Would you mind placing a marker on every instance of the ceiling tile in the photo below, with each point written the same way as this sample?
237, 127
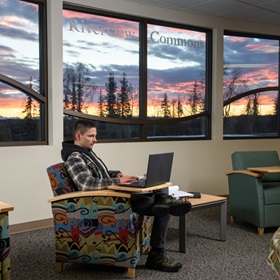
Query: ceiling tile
272, 6
218, 7
256, 2
248, 13
264, 11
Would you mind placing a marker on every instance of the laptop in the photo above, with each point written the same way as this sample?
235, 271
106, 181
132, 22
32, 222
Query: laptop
158, 171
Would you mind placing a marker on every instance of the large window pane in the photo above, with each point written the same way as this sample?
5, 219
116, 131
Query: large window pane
101, 65
176, 72
251, 86
176, 80
22, 72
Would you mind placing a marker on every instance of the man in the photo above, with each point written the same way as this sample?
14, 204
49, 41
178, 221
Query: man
88, 172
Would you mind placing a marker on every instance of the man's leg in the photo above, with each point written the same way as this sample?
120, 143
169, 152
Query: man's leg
157, 258
144, 205
159, 231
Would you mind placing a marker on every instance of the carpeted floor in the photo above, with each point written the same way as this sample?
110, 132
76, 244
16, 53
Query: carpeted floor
242, 257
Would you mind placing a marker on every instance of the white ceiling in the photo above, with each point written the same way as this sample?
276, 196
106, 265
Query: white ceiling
262, 11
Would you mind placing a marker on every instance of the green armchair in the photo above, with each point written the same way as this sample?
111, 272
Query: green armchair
254, 197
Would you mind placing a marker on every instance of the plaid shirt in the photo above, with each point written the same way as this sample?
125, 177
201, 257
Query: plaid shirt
87, 175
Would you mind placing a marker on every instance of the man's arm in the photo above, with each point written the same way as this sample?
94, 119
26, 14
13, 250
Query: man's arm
84, 176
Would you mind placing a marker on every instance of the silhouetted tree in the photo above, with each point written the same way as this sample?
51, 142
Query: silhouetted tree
252, 112
123, 101
111, 88
179, 108
133, 97
101, 110
165, 107
69, 90
194, 100
233, 85
30, 110
76, 87
82, 79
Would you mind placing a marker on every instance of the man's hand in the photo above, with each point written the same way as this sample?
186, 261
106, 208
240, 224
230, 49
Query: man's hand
124, 178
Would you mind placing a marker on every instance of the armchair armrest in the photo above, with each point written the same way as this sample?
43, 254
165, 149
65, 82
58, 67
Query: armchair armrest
88, 194
245, 172
5, 207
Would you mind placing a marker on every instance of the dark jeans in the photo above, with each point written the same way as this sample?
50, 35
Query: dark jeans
143, 204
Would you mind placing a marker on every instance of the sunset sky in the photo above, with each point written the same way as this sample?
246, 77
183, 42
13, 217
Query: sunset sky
106, 45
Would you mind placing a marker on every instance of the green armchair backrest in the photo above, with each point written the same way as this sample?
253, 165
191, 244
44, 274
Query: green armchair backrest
243, 160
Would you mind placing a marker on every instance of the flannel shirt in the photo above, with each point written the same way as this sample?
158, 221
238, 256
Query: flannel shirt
86, 175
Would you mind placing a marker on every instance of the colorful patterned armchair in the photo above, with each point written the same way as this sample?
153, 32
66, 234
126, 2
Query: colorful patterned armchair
95, 227
273, 258
4, 241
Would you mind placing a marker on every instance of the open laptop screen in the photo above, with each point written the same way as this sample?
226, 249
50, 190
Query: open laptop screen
158, 171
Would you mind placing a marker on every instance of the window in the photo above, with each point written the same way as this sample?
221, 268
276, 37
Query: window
251, 86
176, 95
138, 79
22, 75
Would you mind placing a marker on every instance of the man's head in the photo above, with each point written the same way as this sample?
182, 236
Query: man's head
84, 133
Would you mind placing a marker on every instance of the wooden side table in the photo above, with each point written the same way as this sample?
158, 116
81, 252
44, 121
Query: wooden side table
205, 201
4, 241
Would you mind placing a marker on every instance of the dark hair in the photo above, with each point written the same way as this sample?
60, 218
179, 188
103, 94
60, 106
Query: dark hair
82, 126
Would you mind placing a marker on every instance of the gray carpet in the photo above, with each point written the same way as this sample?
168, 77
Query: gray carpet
242, 256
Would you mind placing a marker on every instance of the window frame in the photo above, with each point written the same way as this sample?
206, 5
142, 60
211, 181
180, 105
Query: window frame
41, 97
143, 120
225, 102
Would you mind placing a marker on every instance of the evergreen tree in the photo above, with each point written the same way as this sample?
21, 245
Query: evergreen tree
123, 102
30, 110
276, 105
165, 107
101, 105
252, 112
194, 100
179, 108
111, 88
82, 79
133, 97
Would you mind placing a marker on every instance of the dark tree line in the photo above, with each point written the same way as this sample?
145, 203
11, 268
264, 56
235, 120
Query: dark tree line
118, 102
250, 120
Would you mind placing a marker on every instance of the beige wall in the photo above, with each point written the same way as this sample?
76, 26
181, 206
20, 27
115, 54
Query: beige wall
198, 165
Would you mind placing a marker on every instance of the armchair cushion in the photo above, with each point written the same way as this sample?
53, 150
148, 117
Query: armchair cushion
271, 192
99, 230
59, 179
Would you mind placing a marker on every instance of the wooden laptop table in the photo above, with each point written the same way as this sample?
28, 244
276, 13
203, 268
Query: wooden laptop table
139, 190
205, 201
265, 169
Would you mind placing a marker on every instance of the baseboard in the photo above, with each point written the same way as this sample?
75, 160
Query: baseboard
28, 226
